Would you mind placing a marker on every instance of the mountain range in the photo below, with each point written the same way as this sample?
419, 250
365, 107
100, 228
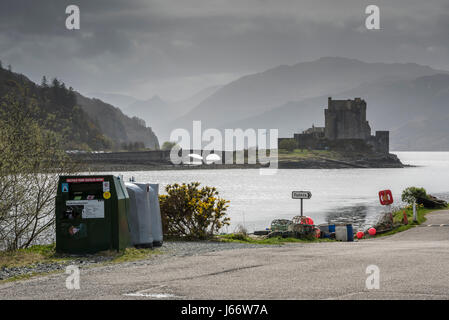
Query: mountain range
410, 100
399, 97
161, 112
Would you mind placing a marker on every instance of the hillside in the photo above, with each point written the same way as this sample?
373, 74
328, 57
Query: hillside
117, 100
117, 126
82, 122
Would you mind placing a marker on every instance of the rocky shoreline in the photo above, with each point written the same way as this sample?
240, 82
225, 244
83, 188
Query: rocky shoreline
384, 161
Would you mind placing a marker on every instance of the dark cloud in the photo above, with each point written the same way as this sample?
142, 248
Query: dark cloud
173, 47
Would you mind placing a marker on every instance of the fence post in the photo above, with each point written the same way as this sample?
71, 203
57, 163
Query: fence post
415, 214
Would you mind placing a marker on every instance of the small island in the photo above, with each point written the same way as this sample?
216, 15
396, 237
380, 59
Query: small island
345, 141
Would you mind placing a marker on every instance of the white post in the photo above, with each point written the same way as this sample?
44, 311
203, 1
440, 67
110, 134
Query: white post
415, 215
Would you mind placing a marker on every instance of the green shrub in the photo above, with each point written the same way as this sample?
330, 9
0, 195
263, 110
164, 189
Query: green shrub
191, 212
288, 144
168, 145
410, 194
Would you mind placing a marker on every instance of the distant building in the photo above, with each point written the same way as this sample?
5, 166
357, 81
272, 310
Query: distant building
346, 119
346, 128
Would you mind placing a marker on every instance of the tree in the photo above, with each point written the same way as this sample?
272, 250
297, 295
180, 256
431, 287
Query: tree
168, 145
410, 194
44, 82
55, 83
191, 212
31, 161
288, 144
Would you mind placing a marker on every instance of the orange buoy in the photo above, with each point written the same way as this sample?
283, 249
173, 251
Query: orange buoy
405, 219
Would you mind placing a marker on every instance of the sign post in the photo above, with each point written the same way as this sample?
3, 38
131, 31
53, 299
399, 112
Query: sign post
301, 195
386, 199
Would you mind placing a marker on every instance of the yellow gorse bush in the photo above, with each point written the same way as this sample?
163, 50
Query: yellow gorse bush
189, 211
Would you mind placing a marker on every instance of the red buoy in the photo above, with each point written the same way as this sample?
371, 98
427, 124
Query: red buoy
360, 235
307, 220
372, 231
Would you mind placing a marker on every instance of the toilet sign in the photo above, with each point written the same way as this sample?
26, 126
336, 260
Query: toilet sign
65, 187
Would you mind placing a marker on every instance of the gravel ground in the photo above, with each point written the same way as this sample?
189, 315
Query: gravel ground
169, 249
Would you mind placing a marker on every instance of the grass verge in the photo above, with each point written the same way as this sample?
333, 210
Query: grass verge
241, 238
398, 217
32, 255
46, 254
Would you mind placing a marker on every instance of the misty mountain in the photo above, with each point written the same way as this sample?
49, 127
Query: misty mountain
82, 122
121, 101
257, 93
184, 106
423, 135
293, 98
160, 113
399, 106
155, 110
116, 125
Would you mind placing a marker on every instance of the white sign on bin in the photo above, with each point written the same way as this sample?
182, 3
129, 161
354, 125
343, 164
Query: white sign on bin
90, 209
301, 194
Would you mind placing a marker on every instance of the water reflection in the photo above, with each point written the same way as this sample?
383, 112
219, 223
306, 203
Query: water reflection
360, 216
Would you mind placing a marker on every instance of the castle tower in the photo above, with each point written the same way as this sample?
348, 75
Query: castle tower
346, 119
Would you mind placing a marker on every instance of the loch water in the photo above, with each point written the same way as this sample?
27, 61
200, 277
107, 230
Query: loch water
338, 195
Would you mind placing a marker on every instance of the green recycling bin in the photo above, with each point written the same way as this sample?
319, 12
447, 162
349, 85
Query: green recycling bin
91, 214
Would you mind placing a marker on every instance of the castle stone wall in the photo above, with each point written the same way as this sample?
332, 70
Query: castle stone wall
346, 119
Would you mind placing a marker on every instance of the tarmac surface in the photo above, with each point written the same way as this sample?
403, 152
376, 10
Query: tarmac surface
412, 265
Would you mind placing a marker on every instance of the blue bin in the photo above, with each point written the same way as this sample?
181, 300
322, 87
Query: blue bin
350, 231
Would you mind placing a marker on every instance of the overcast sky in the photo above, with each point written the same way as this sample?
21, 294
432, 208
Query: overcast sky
174, 48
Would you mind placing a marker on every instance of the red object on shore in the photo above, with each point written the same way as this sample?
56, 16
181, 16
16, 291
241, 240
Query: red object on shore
385, 197
405, 219
307, 220
360, 235
372, 231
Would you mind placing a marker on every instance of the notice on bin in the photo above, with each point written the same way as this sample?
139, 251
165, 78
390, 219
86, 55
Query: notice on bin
80, 180
90, 209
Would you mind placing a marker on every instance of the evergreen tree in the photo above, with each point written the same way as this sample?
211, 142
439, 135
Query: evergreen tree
44, 82
55, 83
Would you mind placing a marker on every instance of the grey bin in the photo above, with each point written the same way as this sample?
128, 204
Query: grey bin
152, 191
139, 218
